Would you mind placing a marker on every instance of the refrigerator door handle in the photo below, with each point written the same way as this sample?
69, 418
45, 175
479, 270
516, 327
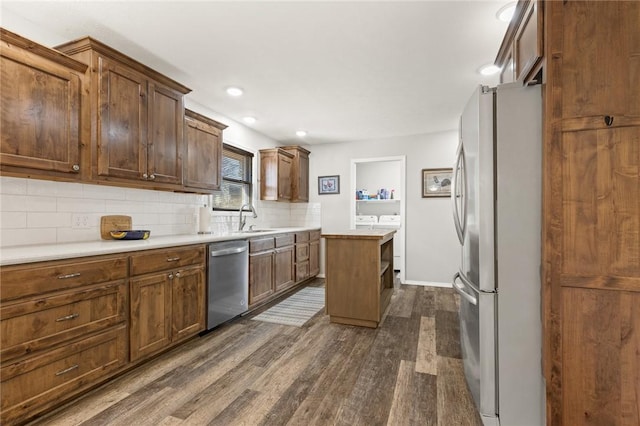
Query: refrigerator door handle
459, 288
459, 215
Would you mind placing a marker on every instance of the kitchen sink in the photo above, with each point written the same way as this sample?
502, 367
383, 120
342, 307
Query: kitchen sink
253, 231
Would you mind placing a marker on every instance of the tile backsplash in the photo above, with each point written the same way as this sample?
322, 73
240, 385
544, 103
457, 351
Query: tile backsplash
44, 212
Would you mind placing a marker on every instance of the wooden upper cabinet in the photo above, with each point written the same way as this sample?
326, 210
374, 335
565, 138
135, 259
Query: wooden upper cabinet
299, 173
122, 149
138, 126
203, 158
284, 173
522, 50
41, 104
276, 165
601, 72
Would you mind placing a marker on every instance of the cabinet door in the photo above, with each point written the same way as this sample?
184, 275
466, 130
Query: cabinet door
314, 258
301, 185
165, 126
188, 303
150, 314
40, 105
601, 59
202, 169
260, 277
285, 164
283, 268
122, 122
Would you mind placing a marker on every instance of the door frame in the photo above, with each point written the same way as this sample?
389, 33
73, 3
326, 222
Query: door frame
403, 201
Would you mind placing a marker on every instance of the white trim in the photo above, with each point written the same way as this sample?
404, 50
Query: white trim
320, 276
427, 283
403, 203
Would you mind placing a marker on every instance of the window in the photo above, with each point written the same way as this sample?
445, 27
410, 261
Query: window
236, 187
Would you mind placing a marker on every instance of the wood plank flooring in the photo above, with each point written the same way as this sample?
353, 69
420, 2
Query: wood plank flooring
406, 372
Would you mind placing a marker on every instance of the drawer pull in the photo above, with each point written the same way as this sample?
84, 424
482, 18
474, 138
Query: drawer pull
173, 259
68, 317
66, 370
64, 277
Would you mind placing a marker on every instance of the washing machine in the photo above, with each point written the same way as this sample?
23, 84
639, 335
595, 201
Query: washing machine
366, 221
393, 222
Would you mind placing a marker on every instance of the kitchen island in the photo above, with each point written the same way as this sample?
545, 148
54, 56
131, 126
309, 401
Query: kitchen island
358, 275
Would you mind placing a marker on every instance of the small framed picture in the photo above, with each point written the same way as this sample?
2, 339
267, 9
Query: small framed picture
328, 185
436, 182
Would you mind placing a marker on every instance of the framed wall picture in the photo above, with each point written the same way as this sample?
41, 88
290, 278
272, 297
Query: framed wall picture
436, 182
328, 185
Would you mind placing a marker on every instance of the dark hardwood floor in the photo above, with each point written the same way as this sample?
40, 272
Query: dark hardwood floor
406, 372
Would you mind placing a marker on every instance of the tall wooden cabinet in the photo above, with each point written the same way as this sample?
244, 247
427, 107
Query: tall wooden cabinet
136, 120
203, 152
591, 229
41, 109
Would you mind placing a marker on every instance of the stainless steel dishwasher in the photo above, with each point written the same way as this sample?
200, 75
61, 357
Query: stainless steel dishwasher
227, 281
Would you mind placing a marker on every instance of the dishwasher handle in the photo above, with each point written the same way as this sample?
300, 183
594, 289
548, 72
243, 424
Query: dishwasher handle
228, 251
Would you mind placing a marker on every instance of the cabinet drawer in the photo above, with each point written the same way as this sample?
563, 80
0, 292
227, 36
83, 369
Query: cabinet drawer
36, 324
35, 279
314, 235
284, 240
45, 380
302, 271
163, 259
302, 237
302, 252
261, 244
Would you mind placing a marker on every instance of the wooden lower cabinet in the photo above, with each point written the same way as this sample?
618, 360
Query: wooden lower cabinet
359, 276
260, 277
188, 300
42, 381
283, 265
168, 304
63, 330
278, 263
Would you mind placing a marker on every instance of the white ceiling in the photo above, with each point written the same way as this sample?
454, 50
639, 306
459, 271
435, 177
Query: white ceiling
342, 71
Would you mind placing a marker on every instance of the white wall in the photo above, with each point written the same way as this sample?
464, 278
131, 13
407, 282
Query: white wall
432, 250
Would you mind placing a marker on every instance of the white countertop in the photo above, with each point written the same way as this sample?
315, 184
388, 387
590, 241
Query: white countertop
38, 253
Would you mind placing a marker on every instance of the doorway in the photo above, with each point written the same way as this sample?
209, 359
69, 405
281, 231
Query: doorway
373, 175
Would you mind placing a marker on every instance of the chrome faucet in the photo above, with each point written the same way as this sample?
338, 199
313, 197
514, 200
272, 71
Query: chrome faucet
244, 220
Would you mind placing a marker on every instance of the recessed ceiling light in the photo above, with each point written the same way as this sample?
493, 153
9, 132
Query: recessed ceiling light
505, 13
249, 119
301, 133
489, 69
234, 91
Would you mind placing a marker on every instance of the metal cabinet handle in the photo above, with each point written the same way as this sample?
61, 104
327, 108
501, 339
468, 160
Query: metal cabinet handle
75, 168
152, 176
64, 277
144, 175
170, 276
173, 259
177, 274
66, 370
67, 317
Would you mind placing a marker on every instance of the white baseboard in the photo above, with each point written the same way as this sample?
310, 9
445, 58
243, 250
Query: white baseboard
428, 283
320, 276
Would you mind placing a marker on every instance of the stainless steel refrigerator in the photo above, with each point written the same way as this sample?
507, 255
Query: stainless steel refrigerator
496, 196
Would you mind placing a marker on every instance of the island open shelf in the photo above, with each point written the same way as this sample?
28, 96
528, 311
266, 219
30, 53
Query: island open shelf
358, 275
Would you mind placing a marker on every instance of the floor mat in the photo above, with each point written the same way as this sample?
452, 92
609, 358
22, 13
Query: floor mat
296, 309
